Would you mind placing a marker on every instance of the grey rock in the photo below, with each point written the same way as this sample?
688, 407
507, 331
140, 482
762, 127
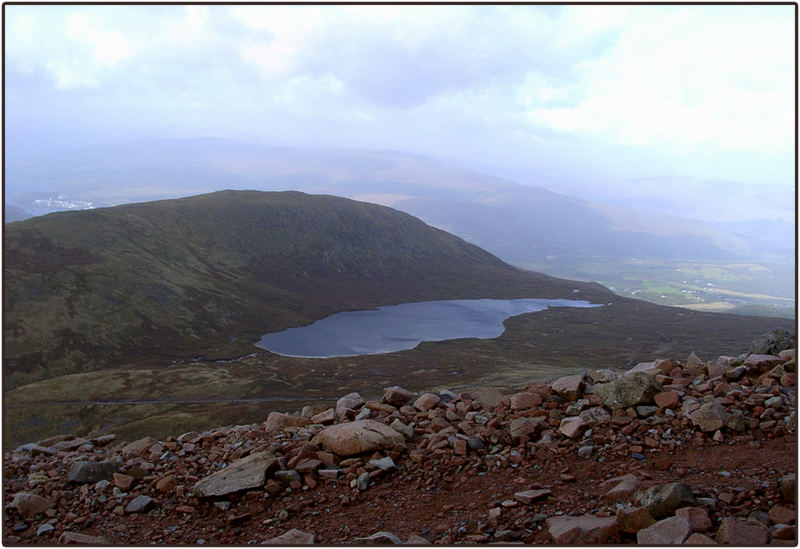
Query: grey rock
772, 343
244, 474
363, 481
385, 464
139, 504
363, 414
595, 415
44, 529
286, 477
406, 430
89, 472
646, 411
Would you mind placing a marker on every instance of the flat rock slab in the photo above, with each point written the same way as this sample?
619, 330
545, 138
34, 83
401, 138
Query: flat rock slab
244, 474
670, 531
292, 537
587, 529
356, 437
529, 496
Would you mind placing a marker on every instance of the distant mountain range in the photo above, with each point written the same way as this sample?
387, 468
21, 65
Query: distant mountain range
516, 222
89, 288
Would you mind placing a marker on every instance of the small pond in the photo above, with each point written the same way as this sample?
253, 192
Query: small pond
399, 327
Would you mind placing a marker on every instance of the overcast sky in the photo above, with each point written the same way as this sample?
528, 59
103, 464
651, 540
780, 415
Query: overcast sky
579, 92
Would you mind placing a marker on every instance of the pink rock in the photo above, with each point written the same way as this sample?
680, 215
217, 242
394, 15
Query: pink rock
694, 365
586, 529
529, 496
699, 539
366, 435
710, 416
348, 405
734, 531
525, 427
569, 388
426, 401
670, 531
667, 399
697, 517
28, 505
277, 421
292, 537
620, 488
524, 401
397, 396
780, 514
572, 427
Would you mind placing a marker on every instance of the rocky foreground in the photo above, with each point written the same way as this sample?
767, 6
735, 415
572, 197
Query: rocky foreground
665, 453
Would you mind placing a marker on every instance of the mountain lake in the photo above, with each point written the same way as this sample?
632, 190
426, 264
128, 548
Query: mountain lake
399, 327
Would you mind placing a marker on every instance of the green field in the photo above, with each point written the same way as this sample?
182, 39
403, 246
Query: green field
704, 286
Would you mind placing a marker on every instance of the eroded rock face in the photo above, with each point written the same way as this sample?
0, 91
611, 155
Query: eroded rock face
366, 435
632, 390
244, 474
662, 501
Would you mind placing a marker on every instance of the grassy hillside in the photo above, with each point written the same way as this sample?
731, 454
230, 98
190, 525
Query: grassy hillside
209, 274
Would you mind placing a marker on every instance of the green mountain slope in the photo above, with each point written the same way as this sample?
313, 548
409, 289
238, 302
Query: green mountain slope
207, 275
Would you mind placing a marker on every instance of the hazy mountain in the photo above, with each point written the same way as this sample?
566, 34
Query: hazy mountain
91, 288
497, 213
14, 213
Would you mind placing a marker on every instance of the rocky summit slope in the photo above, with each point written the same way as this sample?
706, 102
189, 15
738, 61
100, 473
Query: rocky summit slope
668, 452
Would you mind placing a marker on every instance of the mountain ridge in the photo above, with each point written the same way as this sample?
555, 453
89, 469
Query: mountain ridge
165, 275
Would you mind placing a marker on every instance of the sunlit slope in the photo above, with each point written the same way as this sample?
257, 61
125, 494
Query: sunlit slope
207, 275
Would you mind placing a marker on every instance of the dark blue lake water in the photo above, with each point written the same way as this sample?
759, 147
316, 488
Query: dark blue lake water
400, 327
